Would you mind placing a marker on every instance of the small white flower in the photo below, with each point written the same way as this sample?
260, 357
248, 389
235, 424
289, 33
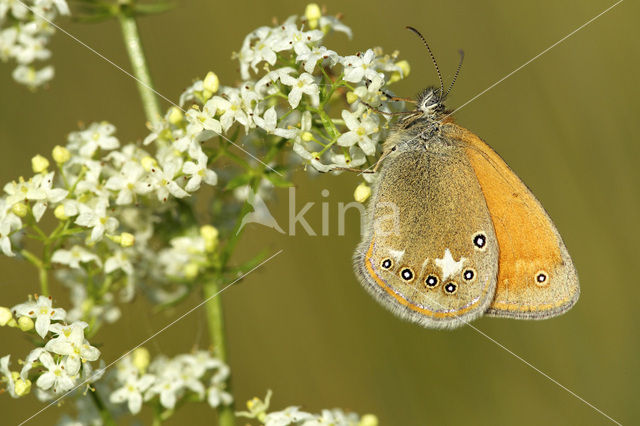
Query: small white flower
62, 6
71, 342
266, 85
312, 158
216, 396
44, 183
91, 179
31, 77
371, 93
199, 172
263, 48
23, 190
9, 222
201, 124
288, 416
164, 184
96, 217
98, 135
4, 370
335, 24
290, 37
74, 257
360, 131
132, 391
119, 260
57, 378
357, 158
42, 312
128, 183
30, 48
357, 67
305, 84
310, 57
269, 123
255, 47
28, 362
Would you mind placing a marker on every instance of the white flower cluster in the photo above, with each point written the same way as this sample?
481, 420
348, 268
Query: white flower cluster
289, 78
65, 356
170, 379
293, 416
97, 195
24, 34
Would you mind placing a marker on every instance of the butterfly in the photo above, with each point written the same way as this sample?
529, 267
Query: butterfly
453, 234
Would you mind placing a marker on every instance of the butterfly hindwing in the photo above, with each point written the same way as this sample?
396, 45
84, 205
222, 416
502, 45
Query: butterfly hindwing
430, 254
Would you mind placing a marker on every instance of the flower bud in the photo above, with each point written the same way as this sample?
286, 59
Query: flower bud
210, 235
211, 82
22, 387
351, 97
313, 13
362, 192
60, 154
368, 420
405, 70
39, 164
307, 136
127, 239
5, 316
58, 212
191, 270
140, 358
20, 209
25, 323
175, 116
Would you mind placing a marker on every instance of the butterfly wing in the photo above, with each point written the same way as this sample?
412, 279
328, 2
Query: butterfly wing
430, 254
536, 277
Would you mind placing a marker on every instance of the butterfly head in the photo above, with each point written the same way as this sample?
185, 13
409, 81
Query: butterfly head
430, 103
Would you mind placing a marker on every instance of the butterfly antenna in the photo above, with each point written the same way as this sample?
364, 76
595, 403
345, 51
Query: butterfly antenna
461, 52
379, 111
433, 58
396, 98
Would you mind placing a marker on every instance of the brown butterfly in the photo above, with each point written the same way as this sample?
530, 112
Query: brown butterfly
453, 233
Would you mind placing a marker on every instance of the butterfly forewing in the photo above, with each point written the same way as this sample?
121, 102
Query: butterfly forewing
431, 252
537, 278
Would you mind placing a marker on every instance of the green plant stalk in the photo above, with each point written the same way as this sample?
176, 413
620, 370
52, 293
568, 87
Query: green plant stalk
136, 55
104, 413
215, 322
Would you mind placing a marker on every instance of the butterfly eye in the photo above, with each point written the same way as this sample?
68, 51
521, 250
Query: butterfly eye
469, 274
431, 281
386, 263
480, 241
451, 288
406, 274
542, 278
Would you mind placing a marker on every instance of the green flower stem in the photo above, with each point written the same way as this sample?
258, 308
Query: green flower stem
140, 70
104, 413
44, 281
215, 322
42, 270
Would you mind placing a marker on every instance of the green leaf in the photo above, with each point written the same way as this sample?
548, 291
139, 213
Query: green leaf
237, 182
279, 181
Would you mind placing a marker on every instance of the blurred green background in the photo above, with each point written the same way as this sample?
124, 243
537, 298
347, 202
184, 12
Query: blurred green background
302, 325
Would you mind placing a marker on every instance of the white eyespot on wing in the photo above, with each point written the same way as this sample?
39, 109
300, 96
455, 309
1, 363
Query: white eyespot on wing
396, 254
448, 264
